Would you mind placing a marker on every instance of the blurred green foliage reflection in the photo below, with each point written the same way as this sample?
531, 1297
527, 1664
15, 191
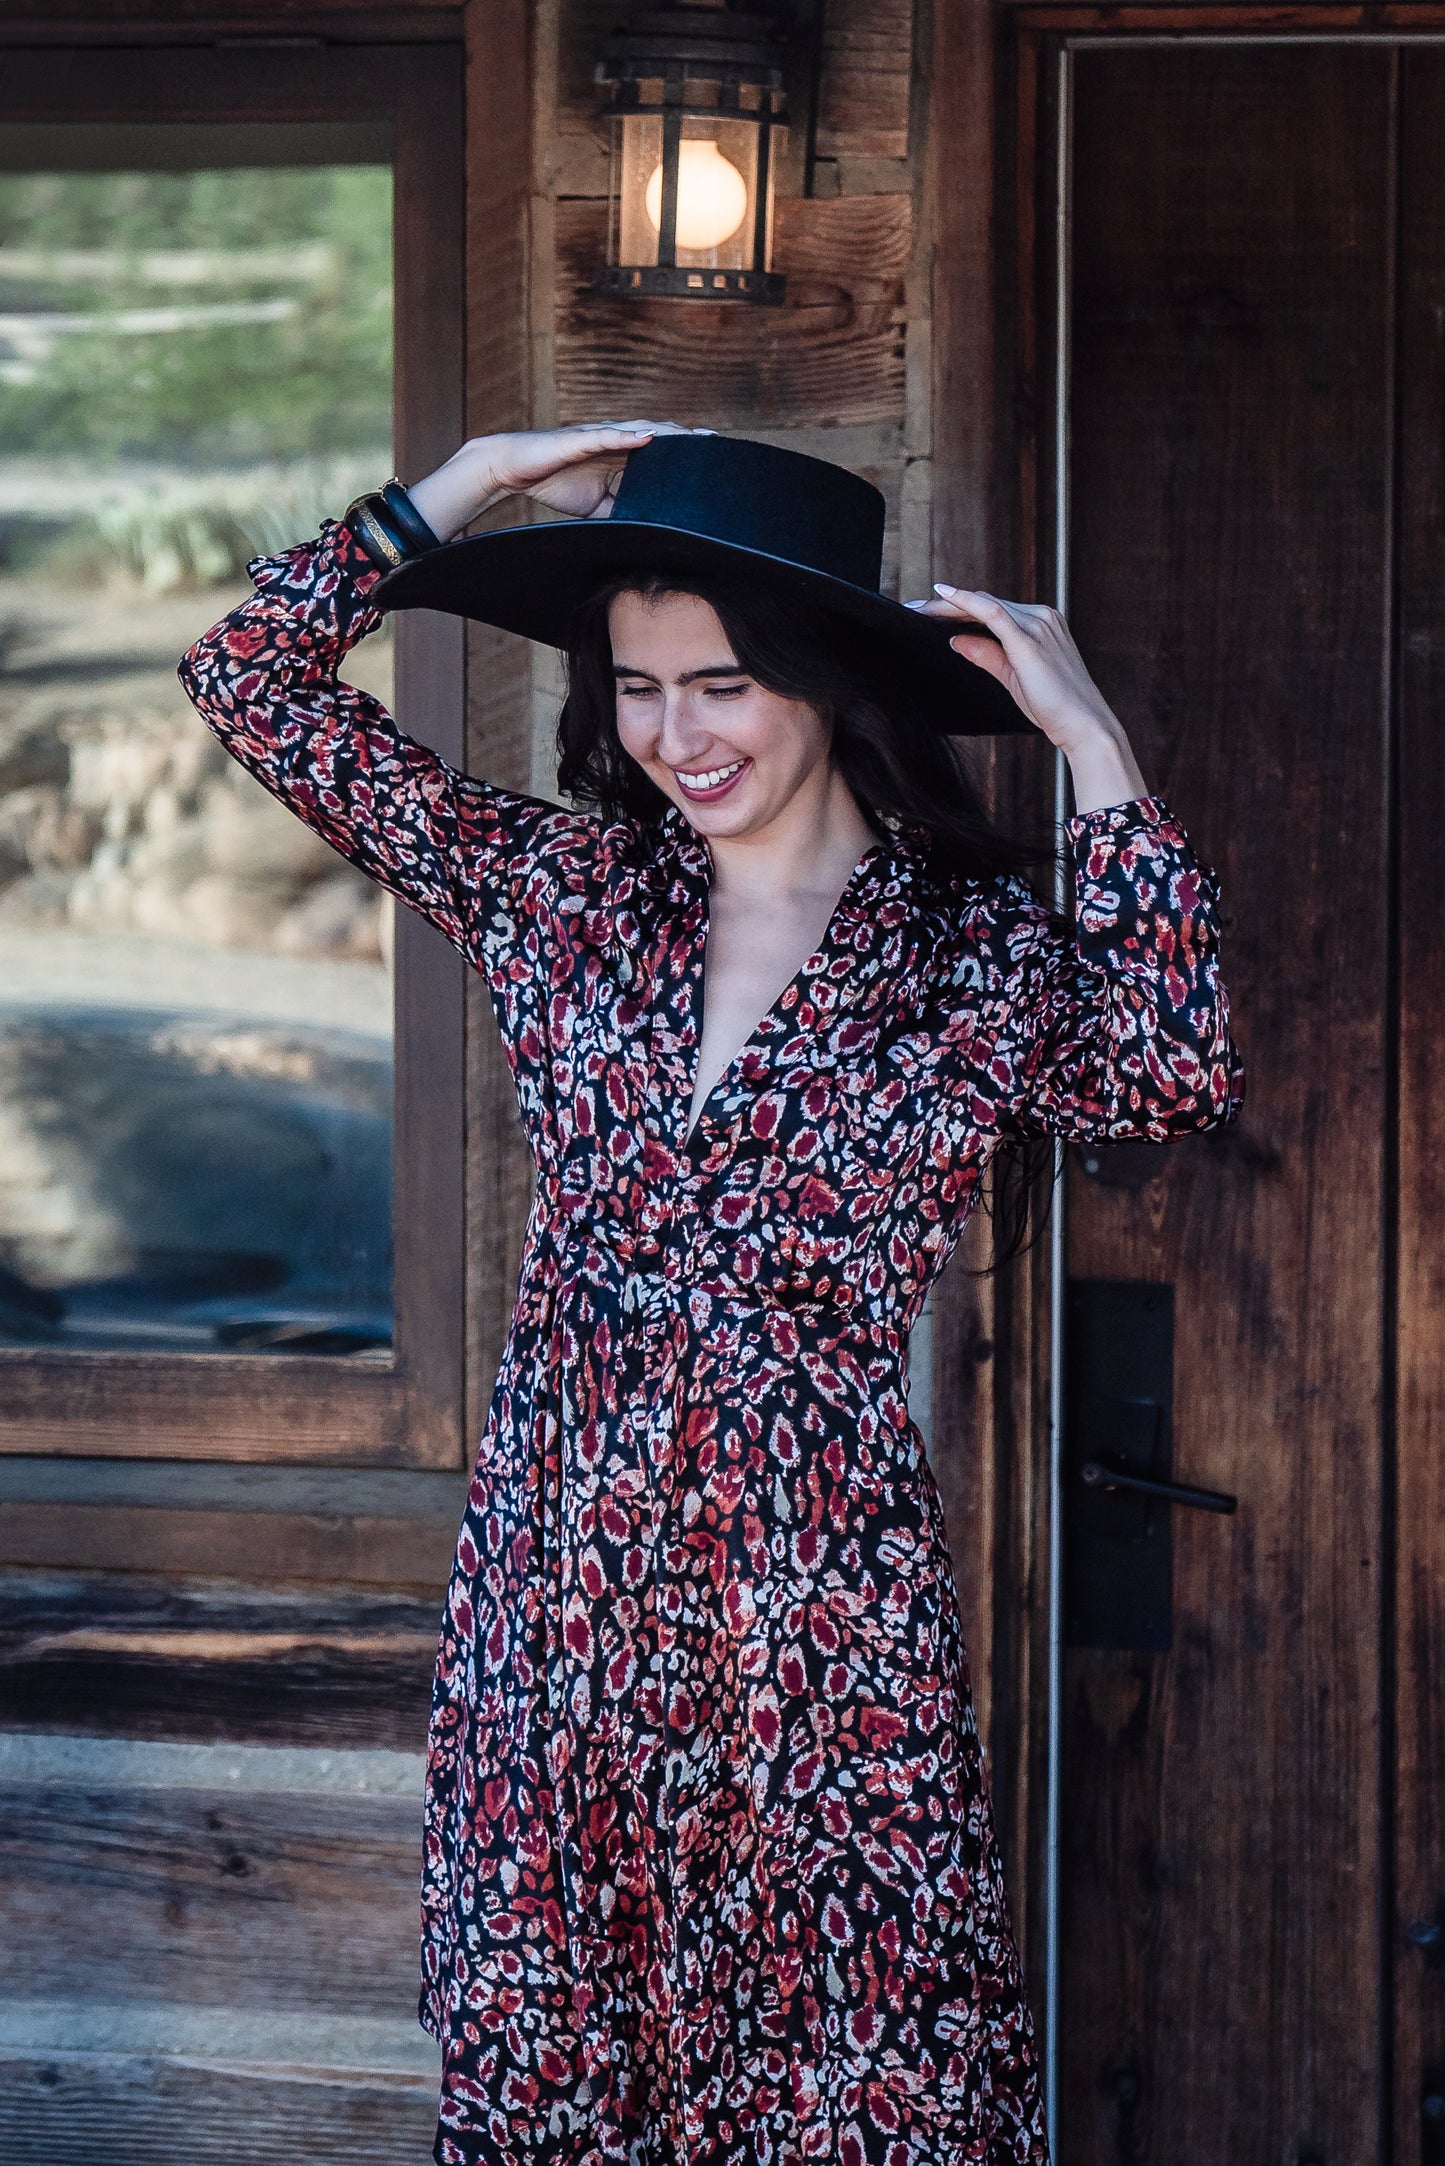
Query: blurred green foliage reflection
199, 320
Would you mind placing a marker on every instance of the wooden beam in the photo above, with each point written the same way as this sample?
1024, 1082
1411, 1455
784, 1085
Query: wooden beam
135, 2109
356, 1549
303, 1406
290, 1907
279, 23
501, 357
283, 18
1171, 19
989, 1382
128, 1655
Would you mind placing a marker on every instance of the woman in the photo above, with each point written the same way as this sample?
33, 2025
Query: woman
710, 1875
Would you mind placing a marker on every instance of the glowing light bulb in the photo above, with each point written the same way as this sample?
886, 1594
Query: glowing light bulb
712, 197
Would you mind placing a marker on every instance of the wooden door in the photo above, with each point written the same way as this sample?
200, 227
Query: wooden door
1252, 1818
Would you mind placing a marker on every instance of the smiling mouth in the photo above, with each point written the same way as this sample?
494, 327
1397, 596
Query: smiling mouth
708, 783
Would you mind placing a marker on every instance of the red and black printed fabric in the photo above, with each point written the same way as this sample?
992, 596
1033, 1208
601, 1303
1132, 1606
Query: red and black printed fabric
710, 1874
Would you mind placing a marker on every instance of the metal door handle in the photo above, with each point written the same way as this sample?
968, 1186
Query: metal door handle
1098, 1476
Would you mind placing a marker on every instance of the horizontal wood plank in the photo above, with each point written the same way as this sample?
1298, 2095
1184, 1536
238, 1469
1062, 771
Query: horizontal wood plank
48, 1759
210, 1406
86, 21
862, 176
72, 2110
126, 1655
1172, 18
221, 1486
867, 73
368, 1526
834, 351
201, 1898
247, 1545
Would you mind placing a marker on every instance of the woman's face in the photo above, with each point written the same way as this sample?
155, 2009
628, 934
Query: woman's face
732, 754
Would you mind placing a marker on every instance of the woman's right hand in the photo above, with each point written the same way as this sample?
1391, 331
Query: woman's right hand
574, 470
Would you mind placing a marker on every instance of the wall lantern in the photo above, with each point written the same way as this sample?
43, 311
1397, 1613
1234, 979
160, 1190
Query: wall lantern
699, 100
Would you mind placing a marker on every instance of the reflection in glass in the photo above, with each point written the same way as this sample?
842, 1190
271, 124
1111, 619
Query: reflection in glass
195, 999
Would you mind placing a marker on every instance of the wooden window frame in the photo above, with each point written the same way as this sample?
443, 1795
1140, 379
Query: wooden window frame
408, 1411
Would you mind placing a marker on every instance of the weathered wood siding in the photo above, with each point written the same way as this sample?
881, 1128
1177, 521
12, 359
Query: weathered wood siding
209, 1796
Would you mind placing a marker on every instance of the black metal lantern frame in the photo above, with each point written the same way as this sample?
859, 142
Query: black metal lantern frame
699, 96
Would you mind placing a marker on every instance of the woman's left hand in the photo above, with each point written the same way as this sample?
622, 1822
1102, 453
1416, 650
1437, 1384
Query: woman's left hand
1032, 654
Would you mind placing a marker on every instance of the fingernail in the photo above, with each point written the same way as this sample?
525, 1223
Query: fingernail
941, 587
916, 605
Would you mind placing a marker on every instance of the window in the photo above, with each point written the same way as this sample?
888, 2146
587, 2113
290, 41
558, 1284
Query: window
230, 1083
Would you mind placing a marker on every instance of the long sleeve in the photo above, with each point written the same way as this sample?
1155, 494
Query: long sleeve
483, 864
1119, 1026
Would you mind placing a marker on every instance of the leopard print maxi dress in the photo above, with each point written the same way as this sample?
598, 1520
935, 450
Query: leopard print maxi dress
710, 1878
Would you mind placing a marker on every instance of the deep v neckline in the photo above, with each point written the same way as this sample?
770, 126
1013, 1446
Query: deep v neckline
763, 1028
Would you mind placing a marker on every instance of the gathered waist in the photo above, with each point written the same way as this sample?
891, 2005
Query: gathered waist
686, 1269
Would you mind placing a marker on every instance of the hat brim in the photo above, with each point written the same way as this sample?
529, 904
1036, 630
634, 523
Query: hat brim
533, 579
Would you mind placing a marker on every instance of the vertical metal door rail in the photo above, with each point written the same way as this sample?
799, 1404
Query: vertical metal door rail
1053, 1795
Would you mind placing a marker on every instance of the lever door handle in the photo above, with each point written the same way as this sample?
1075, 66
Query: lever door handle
1098, 1476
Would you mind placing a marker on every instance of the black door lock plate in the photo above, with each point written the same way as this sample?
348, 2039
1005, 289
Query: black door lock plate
1119, 1491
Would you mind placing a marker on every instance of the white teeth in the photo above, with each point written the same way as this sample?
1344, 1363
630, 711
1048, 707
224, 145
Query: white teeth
710, 778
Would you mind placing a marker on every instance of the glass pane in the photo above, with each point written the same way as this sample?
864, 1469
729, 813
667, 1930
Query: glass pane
717, 184
195, 995
641, 158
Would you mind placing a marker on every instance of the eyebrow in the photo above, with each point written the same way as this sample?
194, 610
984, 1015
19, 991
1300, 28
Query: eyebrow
689, 676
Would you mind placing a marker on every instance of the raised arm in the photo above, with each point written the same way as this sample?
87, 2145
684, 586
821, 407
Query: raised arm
265, 681
477, 860
1119, 1025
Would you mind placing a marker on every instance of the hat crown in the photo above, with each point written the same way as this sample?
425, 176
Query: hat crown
756, 496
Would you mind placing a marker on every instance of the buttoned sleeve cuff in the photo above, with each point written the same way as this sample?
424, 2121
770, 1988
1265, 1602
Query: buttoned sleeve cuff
1135, 815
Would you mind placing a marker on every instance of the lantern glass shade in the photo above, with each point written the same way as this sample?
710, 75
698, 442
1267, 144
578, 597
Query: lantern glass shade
719, 205
698, 106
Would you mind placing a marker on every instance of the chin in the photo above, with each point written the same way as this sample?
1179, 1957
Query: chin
724, 819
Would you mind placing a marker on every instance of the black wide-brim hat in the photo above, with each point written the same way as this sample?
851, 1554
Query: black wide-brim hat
700, 504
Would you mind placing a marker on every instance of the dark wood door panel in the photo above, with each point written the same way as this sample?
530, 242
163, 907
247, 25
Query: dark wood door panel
1419, 1926
1230, 548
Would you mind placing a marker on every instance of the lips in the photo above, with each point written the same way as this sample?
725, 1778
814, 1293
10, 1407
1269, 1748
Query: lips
704, 785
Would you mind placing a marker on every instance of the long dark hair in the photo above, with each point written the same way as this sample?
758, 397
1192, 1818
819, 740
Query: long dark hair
902, 777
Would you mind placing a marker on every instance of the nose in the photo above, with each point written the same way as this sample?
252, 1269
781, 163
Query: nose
684, 736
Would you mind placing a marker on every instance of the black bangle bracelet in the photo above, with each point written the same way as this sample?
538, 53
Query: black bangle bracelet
369, 522
407, 521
